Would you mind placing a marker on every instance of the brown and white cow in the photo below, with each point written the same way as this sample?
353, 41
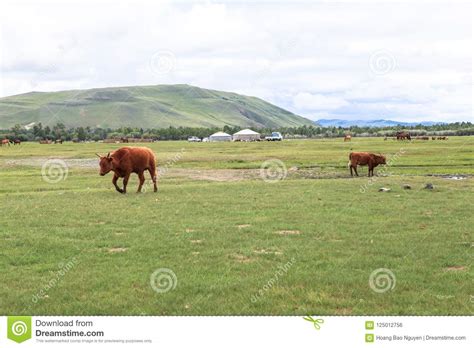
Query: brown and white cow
365, 159
127, 160
347, 137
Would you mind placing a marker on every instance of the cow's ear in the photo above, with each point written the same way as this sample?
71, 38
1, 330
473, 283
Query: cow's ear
108, 155
98, 155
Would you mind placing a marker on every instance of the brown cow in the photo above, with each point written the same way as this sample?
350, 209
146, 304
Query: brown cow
127, 160
347, 138
365, 159
5, 142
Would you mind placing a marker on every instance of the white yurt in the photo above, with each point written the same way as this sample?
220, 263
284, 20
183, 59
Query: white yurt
220, 136
246, 135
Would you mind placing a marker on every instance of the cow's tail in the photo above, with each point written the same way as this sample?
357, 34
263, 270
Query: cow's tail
350, 161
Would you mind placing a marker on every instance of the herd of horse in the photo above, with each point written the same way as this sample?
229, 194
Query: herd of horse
8, 142
404, 136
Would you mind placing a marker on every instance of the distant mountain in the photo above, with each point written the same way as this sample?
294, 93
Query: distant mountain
371, 123
158, 106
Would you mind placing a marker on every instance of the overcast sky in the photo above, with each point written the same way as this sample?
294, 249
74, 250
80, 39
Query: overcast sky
327, 59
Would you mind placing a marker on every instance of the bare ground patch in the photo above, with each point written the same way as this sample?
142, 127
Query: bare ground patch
243, 226
241, 258
455, 268
117, 250
288, 232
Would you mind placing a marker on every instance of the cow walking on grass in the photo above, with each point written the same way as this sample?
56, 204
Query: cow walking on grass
127, 160
365, 159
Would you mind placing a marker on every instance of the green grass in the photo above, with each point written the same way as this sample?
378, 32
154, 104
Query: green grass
223, 240
158, 106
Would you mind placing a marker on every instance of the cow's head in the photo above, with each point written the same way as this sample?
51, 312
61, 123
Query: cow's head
105, 164
379, 159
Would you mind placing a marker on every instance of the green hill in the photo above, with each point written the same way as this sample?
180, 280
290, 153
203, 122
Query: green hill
144, 106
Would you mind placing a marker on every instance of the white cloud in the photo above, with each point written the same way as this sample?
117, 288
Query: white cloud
312, 58
308, 101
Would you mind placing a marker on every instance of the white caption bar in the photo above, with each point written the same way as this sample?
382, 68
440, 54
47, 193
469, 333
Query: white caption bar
315, 331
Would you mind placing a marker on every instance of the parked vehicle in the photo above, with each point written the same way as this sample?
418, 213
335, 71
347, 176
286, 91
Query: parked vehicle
194, 139
276, 136
205, 140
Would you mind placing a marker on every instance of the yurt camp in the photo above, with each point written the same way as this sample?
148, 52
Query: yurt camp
220, 136
246, 135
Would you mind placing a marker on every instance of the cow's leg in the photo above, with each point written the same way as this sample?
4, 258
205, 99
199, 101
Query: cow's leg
125, 182
355, 170
350, 168
141, 177
114, 181
152, 171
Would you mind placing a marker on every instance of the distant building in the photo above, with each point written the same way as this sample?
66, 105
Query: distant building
246, 135
220, 136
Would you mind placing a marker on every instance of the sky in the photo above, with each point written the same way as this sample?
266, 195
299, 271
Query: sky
399, 60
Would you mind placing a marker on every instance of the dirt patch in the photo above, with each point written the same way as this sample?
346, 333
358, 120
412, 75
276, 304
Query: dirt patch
86, 163
267, 252
189, 230
288, 232
116, 250
455, 268
243, 226
196, 241
241, 258
220, 175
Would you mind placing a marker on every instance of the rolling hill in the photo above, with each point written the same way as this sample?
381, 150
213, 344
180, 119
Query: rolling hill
144, 106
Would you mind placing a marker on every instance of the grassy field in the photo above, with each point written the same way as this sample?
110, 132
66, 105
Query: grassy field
313, 242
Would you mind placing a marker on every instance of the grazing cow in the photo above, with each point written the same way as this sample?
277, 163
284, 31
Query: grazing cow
365, 159
127, 160
124, 140
442, 138
17, 142
347, 138
58, 141
403, 136
433, 138
5, 142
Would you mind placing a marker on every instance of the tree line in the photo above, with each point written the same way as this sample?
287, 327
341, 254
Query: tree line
60, 131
